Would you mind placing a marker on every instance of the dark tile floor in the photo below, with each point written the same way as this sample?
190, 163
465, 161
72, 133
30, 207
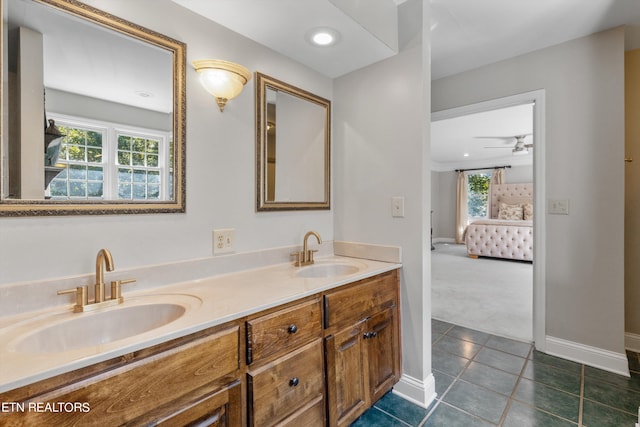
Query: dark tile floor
486, 380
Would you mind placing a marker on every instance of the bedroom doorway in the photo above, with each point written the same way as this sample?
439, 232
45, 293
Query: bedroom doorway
463, 265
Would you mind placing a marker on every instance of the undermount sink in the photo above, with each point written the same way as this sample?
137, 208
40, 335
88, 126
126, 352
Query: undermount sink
328, 270
100, 327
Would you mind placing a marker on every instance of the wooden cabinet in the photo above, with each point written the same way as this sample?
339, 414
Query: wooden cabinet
322, 360
362, 345
285, 374
192, 380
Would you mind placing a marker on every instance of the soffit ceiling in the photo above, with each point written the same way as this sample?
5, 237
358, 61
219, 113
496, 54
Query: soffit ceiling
465, 34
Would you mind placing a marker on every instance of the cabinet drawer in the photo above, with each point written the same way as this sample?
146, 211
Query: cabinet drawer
278, 389
277, 333
347, 306
311, 415
131, 391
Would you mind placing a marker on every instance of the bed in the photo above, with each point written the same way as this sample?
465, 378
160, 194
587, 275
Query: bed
508, 233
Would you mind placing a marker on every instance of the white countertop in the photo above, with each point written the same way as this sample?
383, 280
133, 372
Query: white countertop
210, 302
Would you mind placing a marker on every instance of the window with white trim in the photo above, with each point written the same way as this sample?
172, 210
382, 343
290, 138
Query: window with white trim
107, 161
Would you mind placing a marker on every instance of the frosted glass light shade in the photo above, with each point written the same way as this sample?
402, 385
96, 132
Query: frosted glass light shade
222, 79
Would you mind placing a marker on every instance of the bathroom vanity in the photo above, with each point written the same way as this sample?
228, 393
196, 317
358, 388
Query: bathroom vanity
319, 355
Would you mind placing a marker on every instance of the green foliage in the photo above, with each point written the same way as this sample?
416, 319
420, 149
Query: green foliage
478, 194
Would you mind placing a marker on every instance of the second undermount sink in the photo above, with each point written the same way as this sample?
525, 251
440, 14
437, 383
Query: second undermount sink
100, 327
331, 269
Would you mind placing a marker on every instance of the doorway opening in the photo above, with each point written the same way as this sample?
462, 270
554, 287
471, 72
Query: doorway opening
536, 144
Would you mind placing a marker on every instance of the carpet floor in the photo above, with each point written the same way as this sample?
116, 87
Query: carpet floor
485, 294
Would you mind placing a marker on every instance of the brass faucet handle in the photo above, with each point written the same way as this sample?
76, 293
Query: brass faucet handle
82, 296
310, 255
299, 258
116, 289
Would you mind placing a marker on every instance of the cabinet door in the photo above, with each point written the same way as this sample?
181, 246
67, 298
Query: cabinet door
347, 375
381, 337
222, 408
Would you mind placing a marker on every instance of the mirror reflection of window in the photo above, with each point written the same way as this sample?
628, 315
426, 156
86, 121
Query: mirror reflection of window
105, 161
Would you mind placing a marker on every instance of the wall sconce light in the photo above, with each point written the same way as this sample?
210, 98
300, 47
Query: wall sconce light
222, 79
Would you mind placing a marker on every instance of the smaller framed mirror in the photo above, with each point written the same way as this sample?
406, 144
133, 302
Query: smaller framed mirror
293, 147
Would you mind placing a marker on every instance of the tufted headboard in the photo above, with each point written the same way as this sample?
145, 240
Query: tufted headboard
520, 192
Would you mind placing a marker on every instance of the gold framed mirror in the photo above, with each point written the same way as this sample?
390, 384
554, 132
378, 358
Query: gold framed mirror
113, 93
293, 147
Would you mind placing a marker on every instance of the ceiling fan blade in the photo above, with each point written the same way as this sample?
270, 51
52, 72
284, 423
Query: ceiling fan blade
506, 139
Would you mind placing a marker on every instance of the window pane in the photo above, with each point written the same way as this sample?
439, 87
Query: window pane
124, 158
95, 173
77, 172
153, 177
94, 139
76, 153
94, 189
124, 142
478, 194
137, 159
153, 192
58, 188
124, 191
152, 160
139, 191
94, 155
77, 189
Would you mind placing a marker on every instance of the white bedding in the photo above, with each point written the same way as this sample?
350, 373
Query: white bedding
500, 239
509, 239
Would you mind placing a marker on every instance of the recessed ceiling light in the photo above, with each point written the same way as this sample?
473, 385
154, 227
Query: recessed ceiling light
323, 36
466, 154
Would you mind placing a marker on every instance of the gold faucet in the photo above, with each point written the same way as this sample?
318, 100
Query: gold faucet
306, 256
104, 260
103, 257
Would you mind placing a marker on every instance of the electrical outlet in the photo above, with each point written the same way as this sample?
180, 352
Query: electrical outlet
559, 206
224, 241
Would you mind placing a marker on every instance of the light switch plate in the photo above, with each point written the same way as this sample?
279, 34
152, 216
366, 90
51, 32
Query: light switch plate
558, 206
397, 207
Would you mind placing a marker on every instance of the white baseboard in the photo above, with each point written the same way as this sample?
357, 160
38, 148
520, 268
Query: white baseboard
422, 393
443, 240
632, 342
592, 356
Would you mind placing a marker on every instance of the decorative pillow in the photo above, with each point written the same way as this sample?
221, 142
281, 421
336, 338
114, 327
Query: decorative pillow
513, 212
528, 211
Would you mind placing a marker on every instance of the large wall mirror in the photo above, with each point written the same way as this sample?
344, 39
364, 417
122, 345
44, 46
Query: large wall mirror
293, 142
93, 113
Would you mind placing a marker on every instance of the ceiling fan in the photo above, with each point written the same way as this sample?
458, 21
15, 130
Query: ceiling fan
520, 146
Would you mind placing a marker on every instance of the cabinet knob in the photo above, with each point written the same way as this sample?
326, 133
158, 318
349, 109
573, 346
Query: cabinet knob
293, 382
292, 329
368, 335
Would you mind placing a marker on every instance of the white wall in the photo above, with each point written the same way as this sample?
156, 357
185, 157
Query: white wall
381, 133
71, 104
584, 84
220, 171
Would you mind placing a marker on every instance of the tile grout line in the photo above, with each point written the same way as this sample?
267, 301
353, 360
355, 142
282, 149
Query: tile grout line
456, 378
515, 387
392, 416
581, 404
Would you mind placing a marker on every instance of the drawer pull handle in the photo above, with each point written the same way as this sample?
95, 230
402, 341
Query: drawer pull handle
292, 329
293, 382
368, 335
